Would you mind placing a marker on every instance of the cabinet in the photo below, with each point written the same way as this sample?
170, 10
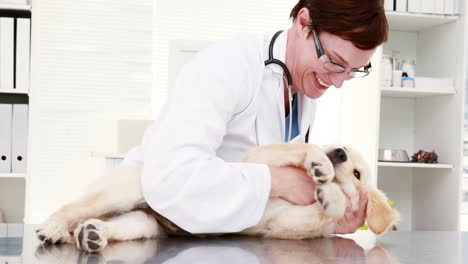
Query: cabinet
428, 196
14, 90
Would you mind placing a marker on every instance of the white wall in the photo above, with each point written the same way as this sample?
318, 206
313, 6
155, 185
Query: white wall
212, 20
208, 20
91, 61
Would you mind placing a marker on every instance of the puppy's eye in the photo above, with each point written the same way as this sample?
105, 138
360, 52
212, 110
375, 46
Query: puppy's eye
357, 174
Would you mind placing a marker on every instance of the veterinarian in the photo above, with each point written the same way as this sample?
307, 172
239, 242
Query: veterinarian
228, 100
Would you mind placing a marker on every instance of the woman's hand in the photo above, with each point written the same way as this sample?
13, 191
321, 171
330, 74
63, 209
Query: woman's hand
293, 185
351, 221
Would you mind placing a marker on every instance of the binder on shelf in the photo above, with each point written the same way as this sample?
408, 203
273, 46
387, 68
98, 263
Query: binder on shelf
23, 26
19, 145
401, 5
427, 6
449, 7
439, 7
414, 6
6, 115
457, 4
388, 5
6, 52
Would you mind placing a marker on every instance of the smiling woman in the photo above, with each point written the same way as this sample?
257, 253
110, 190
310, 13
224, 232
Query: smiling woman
345, 35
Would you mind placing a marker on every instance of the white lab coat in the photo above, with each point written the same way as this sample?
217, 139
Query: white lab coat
224, 103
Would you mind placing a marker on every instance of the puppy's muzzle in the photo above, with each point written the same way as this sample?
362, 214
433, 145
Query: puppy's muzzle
337, 156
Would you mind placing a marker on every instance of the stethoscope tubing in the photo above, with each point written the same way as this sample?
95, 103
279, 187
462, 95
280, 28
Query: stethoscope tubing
288, 78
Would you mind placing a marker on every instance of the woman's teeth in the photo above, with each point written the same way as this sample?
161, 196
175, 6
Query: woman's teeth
321, 82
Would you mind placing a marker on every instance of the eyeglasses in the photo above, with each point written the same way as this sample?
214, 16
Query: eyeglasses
335, 67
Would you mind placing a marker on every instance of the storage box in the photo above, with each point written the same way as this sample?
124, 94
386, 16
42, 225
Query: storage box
433, 83
130, 134
117, 136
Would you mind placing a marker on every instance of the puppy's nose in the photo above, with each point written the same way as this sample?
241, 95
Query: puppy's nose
337, 156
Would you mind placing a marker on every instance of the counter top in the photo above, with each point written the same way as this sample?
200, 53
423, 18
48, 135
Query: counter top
21, 246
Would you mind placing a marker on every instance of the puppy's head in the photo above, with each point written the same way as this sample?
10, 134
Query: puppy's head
353, 173
351, 170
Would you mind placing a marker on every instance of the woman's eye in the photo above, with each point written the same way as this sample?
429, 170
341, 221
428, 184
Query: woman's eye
357, 174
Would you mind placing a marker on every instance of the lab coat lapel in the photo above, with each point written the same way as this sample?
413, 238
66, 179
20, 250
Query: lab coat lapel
270, 116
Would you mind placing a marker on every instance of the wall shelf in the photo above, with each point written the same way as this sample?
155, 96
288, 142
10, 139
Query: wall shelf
414, 165
414, 92
5, 6
415, 22
13, 91
12, 175
108, 155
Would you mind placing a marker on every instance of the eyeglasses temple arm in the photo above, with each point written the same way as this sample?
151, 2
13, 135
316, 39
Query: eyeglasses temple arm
318, 45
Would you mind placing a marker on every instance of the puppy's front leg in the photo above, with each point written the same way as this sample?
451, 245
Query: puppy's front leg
308, 156
332, 199
118, 191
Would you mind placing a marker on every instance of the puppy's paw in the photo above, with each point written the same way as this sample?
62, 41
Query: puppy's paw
54, 231
91, 236
319, 166
332, 200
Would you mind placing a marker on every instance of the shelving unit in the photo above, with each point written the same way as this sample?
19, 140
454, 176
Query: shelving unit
427, 195
13, 185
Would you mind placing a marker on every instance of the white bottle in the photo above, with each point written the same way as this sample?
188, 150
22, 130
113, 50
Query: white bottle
408, 67
387, 71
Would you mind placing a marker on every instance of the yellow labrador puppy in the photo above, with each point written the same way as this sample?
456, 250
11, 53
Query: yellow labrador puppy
116, 210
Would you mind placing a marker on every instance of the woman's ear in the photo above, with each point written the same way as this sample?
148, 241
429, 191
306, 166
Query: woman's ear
380, 216
302, 22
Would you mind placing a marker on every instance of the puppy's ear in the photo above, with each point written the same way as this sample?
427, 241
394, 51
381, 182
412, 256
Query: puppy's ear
380, 216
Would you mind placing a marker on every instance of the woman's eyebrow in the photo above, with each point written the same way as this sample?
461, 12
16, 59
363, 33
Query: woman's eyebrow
346, 63
339, 57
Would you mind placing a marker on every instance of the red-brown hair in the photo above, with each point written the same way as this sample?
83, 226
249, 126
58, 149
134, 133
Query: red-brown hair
362, 22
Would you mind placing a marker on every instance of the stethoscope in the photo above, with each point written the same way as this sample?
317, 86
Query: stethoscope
287, 78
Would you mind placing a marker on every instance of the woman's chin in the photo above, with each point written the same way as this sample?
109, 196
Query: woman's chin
314, 92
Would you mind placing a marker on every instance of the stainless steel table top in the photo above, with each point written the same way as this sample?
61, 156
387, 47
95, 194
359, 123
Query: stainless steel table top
18, 244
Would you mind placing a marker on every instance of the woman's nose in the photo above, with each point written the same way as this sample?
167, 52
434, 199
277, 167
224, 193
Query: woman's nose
339, 78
